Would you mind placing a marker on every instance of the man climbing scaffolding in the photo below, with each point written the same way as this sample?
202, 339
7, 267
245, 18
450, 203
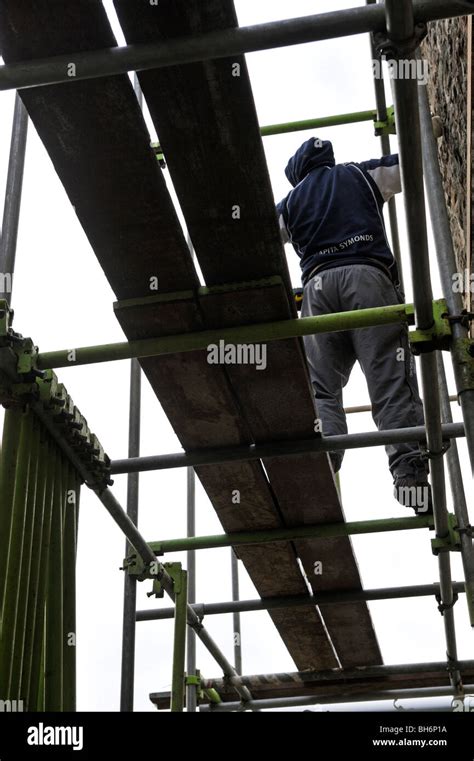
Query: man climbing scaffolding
334, 219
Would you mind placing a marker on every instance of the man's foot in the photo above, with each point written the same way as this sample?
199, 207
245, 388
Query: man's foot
413, 493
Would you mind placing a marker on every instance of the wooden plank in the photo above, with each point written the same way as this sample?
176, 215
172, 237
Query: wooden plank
269, 688
98, 142
210, 134
96, 137
277, 404
197, 400
206, 122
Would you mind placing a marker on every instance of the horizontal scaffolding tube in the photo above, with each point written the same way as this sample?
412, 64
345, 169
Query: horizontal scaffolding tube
217, 44
298, 601
279, 449
270, 703
321, 530
318, 123
267, 331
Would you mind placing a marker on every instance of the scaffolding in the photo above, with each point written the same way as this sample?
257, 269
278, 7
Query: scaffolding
42, 411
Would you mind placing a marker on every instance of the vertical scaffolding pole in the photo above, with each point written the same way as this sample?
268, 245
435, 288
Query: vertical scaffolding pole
381, 106
191, 689
11, 214
180, 579
459, 497
236, 615
447, 265
130, 582
401, 39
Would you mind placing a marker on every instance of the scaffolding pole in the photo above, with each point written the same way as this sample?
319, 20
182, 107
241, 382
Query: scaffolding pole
297, 601
280, 449
191, 689
381, 104
237, 631
130, 582
462, 359
223, 43
320, 530
458, 494
11, 213
254, 333
402, 41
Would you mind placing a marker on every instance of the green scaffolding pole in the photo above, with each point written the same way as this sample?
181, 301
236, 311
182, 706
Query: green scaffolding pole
304, 124
321, 531
269, 331
180, 579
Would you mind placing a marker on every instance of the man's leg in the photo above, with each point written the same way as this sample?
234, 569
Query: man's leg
389, 367
330, 358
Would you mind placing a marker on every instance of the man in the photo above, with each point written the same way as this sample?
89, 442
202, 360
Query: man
334, 219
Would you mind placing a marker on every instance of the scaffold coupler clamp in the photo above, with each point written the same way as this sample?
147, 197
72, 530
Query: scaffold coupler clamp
451, 542
387, 127
396, 49
438, 337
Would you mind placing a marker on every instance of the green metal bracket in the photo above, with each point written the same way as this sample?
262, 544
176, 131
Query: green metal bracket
388, 126
134, 565
449, 543
212, 695
175, 570
463, 358
26, 352
439, 336
195, 680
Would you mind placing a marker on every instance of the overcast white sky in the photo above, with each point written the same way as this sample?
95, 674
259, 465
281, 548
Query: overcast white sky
61, 299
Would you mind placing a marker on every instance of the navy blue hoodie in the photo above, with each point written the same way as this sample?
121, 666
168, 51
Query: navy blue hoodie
333, 216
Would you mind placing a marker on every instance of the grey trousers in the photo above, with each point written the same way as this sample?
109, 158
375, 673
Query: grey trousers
383, 354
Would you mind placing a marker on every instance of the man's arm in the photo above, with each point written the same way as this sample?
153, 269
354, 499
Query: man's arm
385, 172
281, 221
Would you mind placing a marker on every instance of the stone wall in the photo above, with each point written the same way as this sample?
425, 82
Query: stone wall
445, 48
